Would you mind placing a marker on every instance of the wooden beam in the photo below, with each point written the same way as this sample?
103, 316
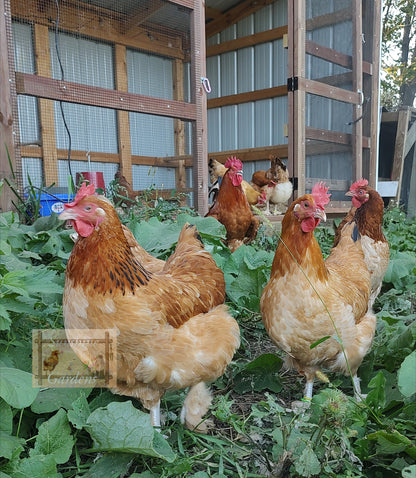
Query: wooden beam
9, 127
101, 24
329, 19
249, 40
246, 97
316, 88
252, 154
46, 108
212, 13
123, 123
410, 139
398, 161
199, 99
141, 14
179, 126
332, 137
234, 15
70, 92
357, 86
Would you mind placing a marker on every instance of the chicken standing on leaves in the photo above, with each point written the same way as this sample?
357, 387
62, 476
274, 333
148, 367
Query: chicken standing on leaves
308, 299
173, 328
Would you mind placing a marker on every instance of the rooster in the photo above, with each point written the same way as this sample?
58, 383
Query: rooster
275, 184
367, 212
216, 173
173, 329
232, 209
308, 299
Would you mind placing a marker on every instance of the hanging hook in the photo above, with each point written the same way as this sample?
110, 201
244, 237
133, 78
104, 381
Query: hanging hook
362, 97
206, 84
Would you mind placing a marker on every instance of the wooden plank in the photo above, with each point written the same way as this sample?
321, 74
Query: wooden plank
179, 127
123, 123
410, 139
234, 15
329, 19
246, 97
333, 137
140, 14
336, 80
328, 54
41, 87
46, 108
244, 42
9, 126
357, 85
375, 32
328, 91
212, 13
101, 24
199, 98
252, 154
398, 161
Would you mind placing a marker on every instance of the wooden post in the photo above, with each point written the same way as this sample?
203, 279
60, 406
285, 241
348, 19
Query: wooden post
357, 85
9, 127
123, 124
297, 98
199, 97
46, 111
178, 94
398, 161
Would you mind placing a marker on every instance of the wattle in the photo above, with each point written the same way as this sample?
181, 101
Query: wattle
309, 224
84, 229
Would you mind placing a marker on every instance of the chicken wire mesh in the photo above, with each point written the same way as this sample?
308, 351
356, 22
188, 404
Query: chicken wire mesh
73, 60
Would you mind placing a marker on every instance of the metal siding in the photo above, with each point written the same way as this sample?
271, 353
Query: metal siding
228, 129
91, 63
151, 135
25, 63
32, 167
249, 167
253, 124
245, 125
148, 176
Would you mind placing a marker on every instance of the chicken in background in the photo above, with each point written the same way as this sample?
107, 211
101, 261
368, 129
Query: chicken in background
216, 172
231, 207
308, 300
367, 212
276, 185
174, 330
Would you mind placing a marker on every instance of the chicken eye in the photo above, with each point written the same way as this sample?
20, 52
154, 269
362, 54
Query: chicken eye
306, 204
87, 208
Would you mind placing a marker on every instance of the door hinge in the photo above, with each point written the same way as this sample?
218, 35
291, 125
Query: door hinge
292, 83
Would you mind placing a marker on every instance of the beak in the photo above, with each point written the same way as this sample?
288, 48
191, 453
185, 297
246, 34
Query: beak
67, 215
349, 193
320, 214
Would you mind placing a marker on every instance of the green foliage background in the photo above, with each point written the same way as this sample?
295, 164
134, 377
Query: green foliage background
93, 433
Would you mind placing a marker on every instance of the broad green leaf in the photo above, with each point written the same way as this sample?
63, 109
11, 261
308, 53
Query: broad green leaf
308, 463
401, 265
37, 467
260, 374
80, 412
377, 396
16, 387
52, 399
390, 443
121, 427
54, 438
9, 445
110, 465
406, 376
6, 417
408, 472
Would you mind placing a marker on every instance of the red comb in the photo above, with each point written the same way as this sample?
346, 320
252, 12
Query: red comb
234, 163
361, 183
83, 192
320, 194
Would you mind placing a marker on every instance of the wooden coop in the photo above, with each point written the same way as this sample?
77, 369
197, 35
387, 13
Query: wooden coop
153, 88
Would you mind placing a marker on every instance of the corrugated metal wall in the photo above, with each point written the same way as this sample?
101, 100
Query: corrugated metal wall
256, 123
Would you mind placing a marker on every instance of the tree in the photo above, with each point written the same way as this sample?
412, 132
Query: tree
399, 53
